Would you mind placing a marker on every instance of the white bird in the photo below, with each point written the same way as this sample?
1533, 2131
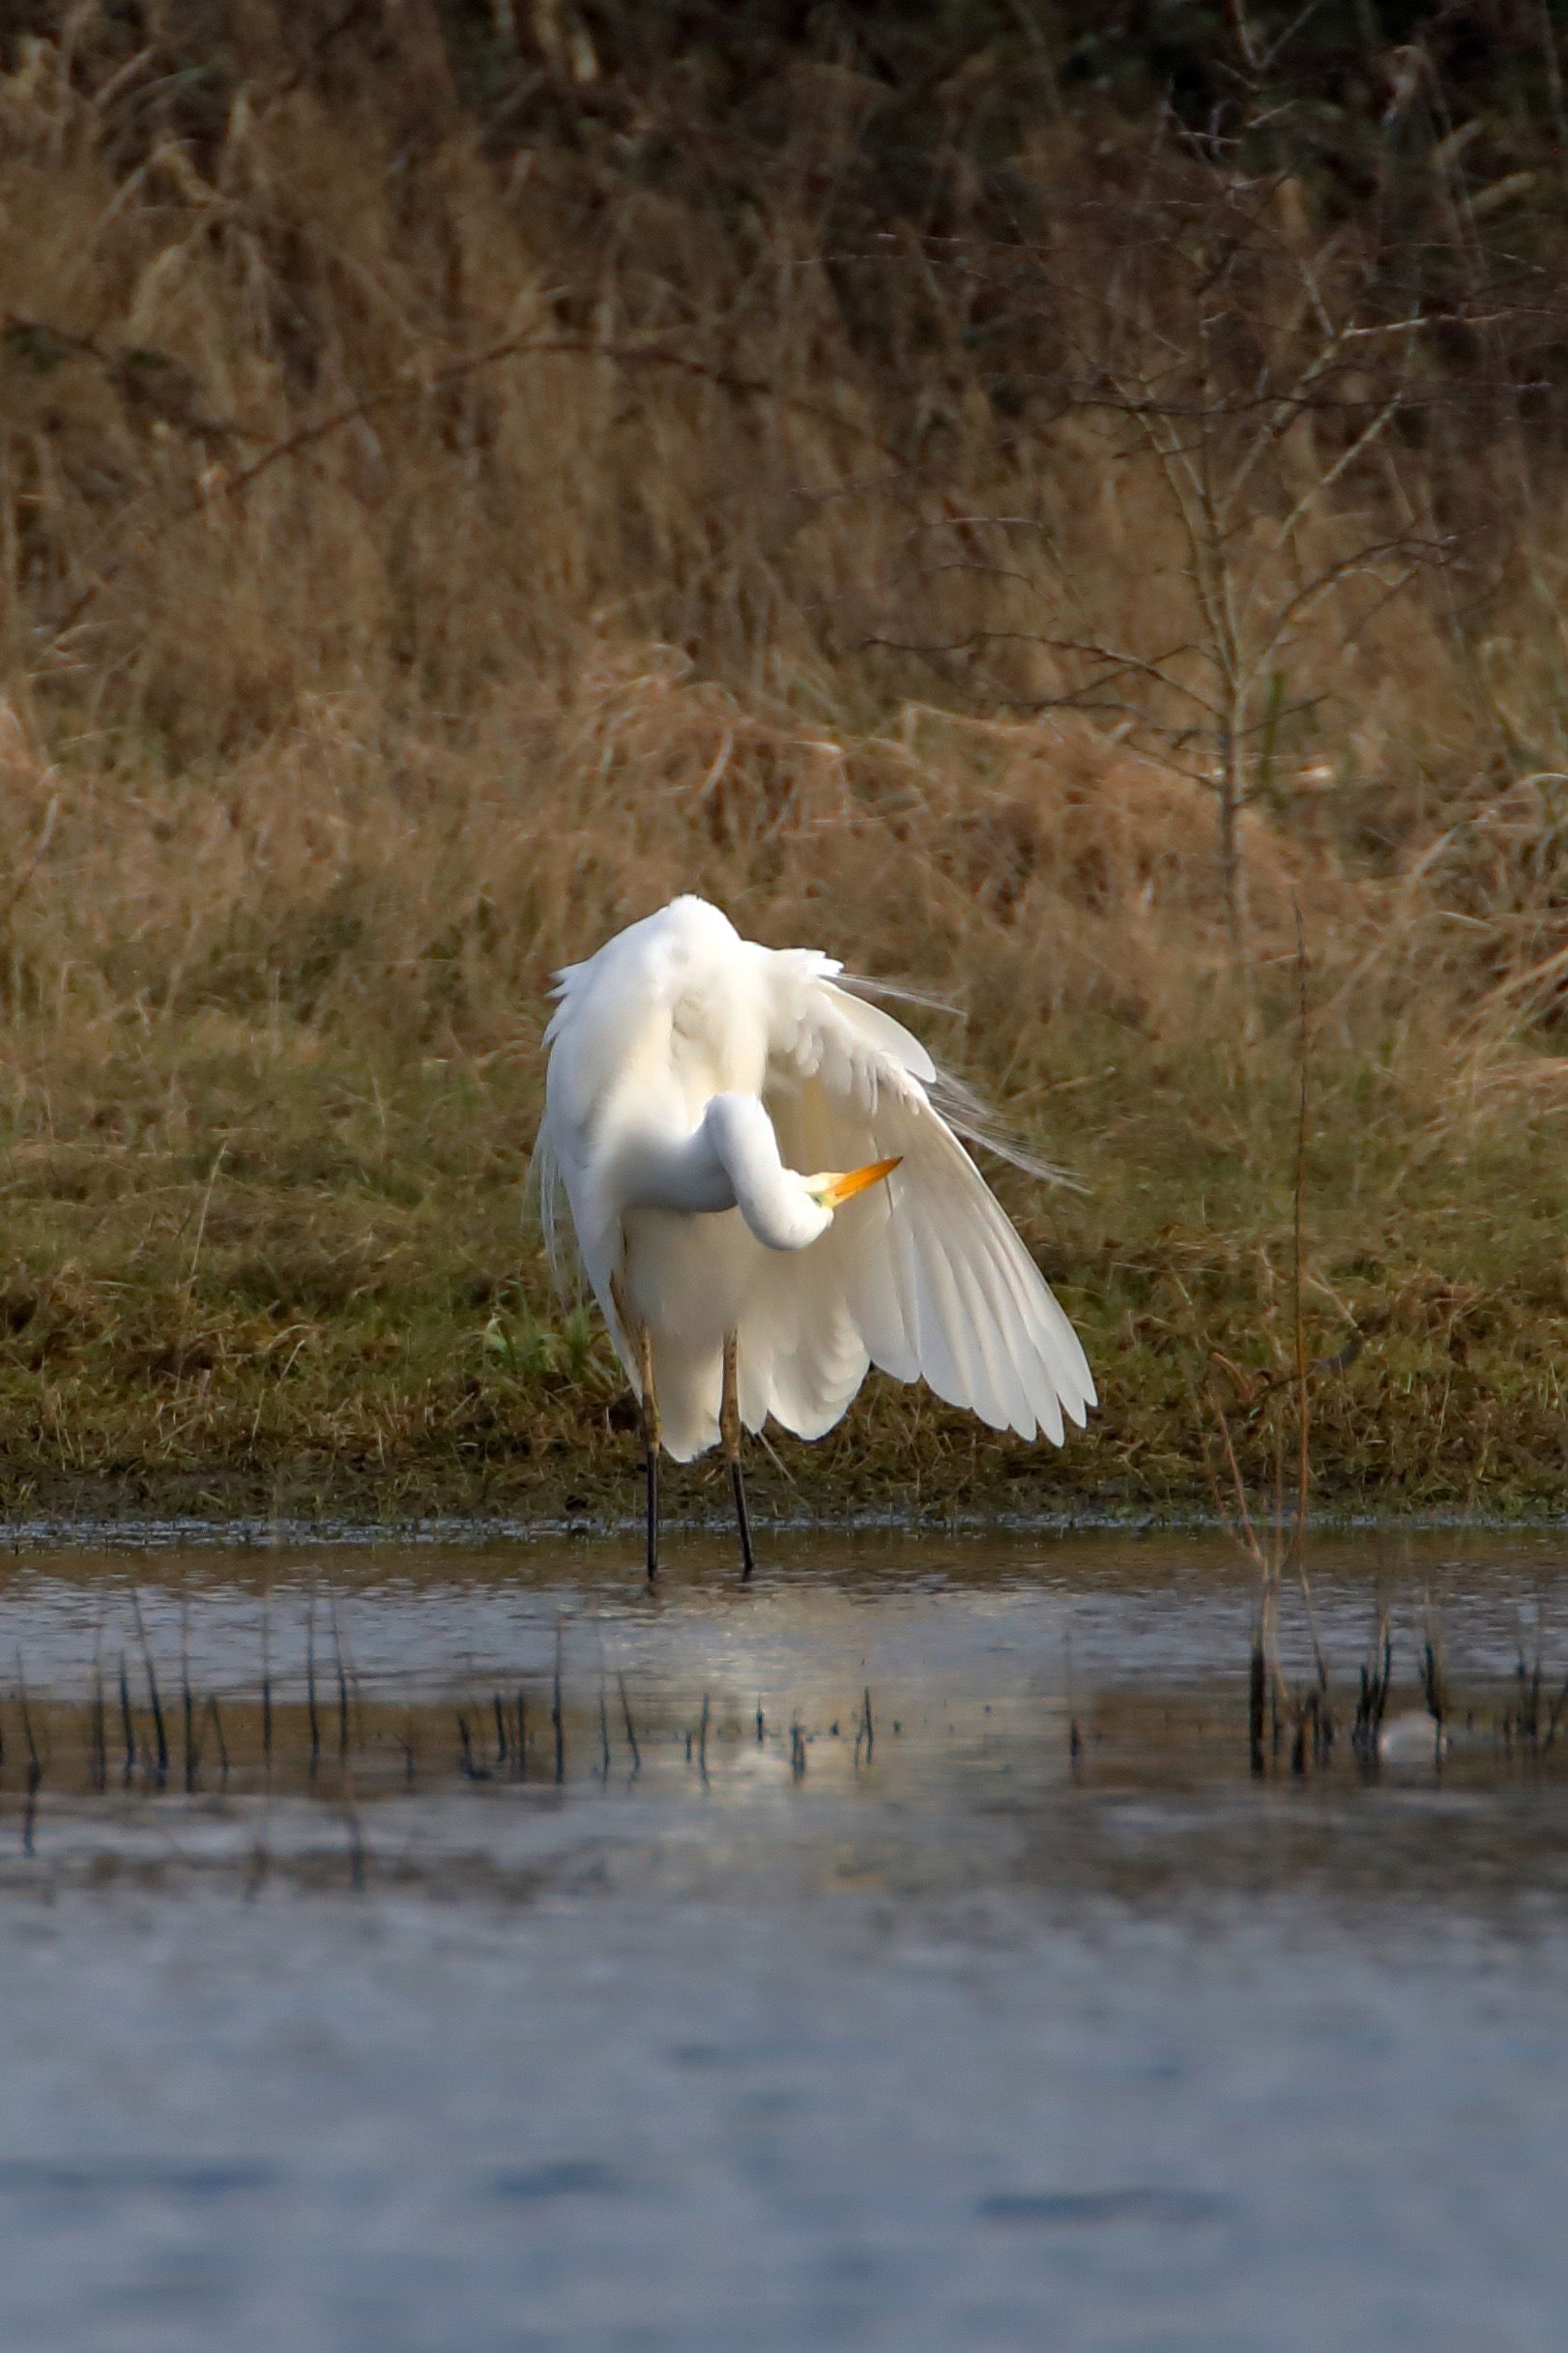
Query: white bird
694, 1078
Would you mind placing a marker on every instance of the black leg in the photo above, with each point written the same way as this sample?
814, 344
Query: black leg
650, 1435
652, 1461
748, 1558
729, 1426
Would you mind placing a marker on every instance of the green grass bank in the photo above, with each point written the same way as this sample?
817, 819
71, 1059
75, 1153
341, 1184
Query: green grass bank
247, 1278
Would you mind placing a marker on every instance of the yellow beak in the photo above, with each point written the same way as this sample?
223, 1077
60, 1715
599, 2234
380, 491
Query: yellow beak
833, 1191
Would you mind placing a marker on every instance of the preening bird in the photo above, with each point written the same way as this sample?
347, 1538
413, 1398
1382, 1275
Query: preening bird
767, 1200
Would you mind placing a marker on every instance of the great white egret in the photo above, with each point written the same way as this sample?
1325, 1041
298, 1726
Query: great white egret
694, 1077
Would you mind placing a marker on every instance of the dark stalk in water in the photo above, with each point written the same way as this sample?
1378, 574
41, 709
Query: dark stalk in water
357, 1848
1554, 1715
340, 1670
267, 1681
1313, 1732
1257, 1695
35, 1765
215, 1716
557, 1720
97, 1757
465, 1752
34, 1782
1372, 1706
310, 1682
25, 1708
631, 1729
1075, 1732
97, 1746
128, 1722
1434, 1671
188, 1704
159, 1729
1528, 1674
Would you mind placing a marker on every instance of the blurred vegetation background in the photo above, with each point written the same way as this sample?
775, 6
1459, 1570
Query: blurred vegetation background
1061, 503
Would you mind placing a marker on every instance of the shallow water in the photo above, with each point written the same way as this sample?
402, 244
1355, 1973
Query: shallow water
469, 1950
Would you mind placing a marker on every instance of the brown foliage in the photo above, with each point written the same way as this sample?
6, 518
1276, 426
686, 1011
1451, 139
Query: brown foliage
417, 563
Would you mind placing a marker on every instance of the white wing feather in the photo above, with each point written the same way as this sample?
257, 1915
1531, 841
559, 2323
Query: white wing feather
922, 1276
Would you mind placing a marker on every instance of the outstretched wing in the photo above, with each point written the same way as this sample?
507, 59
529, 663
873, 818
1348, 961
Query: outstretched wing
924, 1276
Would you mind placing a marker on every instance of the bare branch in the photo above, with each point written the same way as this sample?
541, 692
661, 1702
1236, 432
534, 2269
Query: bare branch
1363, 560
1340, 465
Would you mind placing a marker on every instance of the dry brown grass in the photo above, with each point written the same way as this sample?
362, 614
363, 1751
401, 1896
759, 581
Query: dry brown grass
417, 561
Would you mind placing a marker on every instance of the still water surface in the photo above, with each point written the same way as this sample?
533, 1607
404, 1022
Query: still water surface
468, 1951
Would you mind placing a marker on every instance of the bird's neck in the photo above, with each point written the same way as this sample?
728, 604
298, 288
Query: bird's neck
730, 1161
685, 1174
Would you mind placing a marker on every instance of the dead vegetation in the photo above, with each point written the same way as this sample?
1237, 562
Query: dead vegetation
424, 546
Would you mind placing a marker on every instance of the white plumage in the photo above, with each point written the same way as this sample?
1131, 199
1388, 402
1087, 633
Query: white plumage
695, 1078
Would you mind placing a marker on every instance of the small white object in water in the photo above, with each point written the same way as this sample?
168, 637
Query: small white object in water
1413, 1738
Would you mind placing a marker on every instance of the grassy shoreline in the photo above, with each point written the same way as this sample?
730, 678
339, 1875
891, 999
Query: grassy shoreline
246, 1277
